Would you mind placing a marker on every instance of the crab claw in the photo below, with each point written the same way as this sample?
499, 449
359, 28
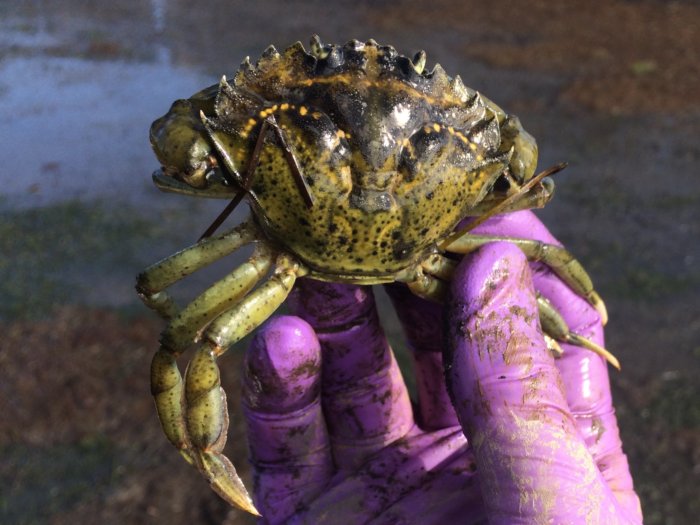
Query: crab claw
599, 305
207, 426
223, 478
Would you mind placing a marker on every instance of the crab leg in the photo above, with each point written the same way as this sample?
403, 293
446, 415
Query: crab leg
159, 276
555, 326
439, 266
184, 328
535, 198
557, 258
166, 381
428, 287
429, 283
206, 415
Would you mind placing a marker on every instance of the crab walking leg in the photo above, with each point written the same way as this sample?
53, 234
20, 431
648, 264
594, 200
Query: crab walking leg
159, 276
206, 415
554, 325
168, 393
428, 287
439, 266
537, 197
184, 328
557, 258
166, 381
429, 283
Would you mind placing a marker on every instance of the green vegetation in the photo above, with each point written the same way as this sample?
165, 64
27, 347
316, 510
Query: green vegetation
50, 253
40, 481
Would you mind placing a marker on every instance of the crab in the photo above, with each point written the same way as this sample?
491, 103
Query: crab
358, 165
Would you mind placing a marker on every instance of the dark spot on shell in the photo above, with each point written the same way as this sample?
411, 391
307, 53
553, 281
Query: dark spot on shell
403, 249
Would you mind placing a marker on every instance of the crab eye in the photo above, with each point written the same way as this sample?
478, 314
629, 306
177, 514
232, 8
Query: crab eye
217, 176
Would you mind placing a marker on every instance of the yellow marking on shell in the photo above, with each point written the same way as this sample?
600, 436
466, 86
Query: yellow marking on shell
240, 155
348, 78
451, 130
461, 137
248, 127
409, 148
303, 111
284, 107
436, 127
409, 186
479, 158
342, 78
341, 178
472, 146
316, 115
427, 129
340, 134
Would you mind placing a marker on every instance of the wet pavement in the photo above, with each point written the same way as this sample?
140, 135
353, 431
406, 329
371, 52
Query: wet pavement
616, 93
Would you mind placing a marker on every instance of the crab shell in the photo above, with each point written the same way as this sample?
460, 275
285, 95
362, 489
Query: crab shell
393, 156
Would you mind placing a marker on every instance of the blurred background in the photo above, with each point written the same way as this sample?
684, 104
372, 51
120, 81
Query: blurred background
614, 91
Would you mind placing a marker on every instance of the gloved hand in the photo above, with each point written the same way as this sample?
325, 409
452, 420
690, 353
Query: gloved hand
334, 438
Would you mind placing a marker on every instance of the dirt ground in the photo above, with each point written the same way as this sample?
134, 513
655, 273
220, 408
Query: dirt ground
614, 90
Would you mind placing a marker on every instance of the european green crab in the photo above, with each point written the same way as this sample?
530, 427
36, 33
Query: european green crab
358, 164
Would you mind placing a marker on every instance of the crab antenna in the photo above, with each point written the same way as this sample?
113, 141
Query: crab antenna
293, 164
247, 181
223, 215
246, 184
506, 202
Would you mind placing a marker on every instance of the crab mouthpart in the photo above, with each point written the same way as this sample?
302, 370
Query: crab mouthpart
216, 187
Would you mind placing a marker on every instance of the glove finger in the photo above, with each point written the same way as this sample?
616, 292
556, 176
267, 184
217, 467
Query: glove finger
425, 478
587, 386
422, 323
584, 374
365, 400
287, 435
423, 327
510, 399
584, 397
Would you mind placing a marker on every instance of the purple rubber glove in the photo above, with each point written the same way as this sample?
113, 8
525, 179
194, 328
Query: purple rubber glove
334, 438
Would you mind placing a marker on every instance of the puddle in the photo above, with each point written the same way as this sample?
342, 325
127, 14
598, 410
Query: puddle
79, 128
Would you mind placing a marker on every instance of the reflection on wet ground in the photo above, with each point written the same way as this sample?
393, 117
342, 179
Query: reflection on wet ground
81, 82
